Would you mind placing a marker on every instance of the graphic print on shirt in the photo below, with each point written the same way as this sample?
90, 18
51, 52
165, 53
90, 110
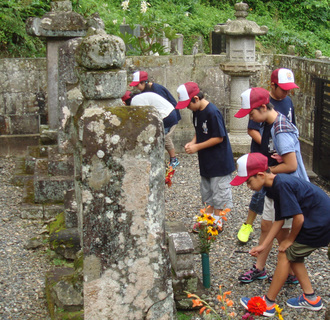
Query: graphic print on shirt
204, 126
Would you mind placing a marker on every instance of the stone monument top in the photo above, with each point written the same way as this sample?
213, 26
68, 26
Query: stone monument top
241, 26
60, 22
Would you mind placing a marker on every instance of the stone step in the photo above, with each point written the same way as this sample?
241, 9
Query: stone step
49, 189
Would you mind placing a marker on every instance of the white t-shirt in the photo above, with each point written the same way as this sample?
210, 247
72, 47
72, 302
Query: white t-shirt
153, 99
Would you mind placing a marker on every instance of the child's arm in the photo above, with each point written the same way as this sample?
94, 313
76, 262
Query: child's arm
288, 165
255, 135
193, 147
297, 223
276, 227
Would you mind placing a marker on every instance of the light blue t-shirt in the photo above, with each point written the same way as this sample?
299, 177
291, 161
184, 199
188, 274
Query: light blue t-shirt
285, 138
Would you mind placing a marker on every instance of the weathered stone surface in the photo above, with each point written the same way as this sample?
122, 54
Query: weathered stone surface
66, 242
101, 51
57, 24
71, 209
126, 269
103, 84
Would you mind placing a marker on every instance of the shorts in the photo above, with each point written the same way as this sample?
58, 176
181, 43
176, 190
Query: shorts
297, 252
269, 213
216, 192
168, 138
257, 201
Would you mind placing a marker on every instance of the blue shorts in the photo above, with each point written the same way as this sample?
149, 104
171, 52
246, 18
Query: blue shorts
257, 201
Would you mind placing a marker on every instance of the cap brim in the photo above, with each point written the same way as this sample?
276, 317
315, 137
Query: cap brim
242, 113
288, 86
238, 180
182, 104
134, 83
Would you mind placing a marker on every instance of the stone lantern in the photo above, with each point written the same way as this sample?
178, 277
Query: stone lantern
240, 64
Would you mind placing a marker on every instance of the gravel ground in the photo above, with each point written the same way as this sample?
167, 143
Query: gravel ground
22, 272
183, 203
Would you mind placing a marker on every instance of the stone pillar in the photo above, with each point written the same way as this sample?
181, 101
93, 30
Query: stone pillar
240, 64
126, 266
57, 26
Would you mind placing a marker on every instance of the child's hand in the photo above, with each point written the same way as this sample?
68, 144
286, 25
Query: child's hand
277, 157
285, 244
190, 148
256, 250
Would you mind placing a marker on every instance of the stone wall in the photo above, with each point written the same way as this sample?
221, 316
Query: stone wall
23, 82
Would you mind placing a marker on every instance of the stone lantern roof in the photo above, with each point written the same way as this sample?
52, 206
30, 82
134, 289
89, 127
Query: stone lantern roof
241, 26
60, 22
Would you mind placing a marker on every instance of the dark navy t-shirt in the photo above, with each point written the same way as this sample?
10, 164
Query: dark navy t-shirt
162, 91
218, 160
294, 196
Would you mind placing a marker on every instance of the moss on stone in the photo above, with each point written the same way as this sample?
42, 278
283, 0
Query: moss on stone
58, 224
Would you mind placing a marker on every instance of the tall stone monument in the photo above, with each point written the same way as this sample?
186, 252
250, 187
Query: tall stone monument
121, 192
240, 64
57, 26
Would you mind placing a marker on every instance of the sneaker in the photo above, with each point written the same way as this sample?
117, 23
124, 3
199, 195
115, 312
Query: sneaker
174, 163
291, 279
244, 233
253, 274
270, 311
303, 302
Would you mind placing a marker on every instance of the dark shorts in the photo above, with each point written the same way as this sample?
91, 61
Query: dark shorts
297, 252
257, 201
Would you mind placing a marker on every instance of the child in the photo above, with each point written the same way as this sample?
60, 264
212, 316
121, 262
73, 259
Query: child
309, 207
216, 162
166, 110
141, 82
282, 81
279, 136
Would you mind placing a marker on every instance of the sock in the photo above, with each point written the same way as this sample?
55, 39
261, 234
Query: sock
269, 302
311, 296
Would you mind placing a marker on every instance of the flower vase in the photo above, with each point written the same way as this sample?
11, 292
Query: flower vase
206, 270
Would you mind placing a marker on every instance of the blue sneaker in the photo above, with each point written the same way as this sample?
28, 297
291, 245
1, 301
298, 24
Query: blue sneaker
303, 302
270, 311
174, 163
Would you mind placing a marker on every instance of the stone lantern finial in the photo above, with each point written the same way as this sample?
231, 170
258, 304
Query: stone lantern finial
241, 10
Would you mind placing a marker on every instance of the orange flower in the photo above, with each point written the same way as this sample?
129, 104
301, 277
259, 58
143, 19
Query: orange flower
226, 293
232, 314
230, 303
224, 218
219, 297
208, 311
257, 306
223, 308
196, 303
202, 310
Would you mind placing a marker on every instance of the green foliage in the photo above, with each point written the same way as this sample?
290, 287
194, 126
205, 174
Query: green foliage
14, 41
304, 24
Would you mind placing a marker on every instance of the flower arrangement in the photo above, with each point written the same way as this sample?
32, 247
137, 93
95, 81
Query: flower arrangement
168, 175
207, 228
205, 307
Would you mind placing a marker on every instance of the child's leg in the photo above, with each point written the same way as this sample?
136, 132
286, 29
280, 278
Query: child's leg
301, 273
262, 257
280, 275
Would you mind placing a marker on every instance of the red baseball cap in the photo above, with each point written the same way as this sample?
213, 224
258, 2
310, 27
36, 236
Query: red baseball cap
284, 78
185, 92
252, 98
249, 165
139, 76
126, 96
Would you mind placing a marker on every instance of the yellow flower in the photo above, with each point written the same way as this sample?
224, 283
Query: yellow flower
209, 219
213, 231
